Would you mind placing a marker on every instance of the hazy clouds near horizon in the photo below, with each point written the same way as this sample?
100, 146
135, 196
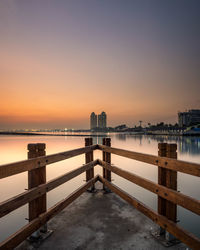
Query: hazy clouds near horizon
61, 60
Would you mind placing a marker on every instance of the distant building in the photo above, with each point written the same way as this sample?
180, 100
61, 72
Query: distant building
100, 123
189, 118
93, 121
102, 120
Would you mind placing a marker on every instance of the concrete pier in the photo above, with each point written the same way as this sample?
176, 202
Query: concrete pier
100, 221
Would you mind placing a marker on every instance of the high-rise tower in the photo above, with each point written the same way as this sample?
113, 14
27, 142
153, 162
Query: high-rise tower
102, 120
93, 120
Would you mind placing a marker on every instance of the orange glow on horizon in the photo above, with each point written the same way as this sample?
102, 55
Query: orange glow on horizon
59, 64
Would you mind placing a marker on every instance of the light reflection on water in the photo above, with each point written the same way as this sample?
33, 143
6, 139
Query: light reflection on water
13, 148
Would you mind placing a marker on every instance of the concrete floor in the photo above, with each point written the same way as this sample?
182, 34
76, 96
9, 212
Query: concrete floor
100, 221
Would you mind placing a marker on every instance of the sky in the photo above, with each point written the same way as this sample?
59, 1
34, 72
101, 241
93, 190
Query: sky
61, 60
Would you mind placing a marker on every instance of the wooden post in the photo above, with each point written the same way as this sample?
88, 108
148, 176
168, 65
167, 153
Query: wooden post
108, 159
168, 178
42, 175
171, 182
162, 151
89, 158
35, 178
104, 158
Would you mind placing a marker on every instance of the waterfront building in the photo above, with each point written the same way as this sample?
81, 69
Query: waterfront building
102, 120
99, 122
188, 118
93, 121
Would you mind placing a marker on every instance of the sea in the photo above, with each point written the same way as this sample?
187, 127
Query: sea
14, 148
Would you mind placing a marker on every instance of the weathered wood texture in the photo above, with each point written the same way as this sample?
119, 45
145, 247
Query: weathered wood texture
21, 199
107, 158
27, 165
164, 162
183, 235
89, 158
164, 192
162, 152
171, 182
35, 224
104, 157
36, 177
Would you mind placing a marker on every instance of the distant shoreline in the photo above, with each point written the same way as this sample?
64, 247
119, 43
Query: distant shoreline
36, 134
95, 135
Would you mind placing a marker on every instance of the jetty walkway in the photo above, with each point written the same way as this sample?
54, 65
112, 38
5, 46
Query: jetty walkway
105, 217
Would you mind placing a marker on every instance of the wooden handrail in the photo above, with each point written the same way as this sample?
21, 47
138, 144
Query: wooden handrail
27, 165
35, 224
185, 236
162, 191
21, 199
167, 193
164, 162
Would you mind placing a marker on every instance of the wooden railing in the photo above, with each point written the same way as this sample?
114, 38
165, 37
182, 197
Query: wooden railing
27, 165
168, 196
164, 162
166, 189
38, 187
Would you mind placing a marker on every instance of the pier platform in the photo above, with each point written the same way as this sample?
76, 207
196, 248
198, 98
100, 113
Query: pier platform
97, 221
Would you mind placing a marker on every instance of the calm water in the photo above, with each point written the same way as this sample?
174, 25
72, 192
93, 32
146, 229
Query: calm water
13, 148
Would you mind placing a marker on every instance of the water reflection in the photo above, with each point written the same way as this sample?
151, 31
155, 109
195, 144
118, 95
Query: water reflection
13, 148
121, 137
98, 139
190, 145
186, 144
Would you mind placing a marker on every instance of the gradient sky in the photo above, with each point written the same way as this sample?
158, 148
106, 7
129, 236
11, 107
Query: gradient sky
134, 59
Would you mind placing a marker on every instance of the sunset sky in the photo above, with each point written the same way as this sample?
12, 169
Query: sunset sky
62, 59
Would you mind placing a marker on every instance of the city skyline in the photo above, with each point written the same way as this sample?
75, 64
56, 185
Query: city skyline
138, 60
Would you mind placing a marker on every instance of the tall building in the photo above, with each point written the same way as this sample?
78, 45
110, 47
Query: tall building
99, 121
102, 120
191, 117
93, 120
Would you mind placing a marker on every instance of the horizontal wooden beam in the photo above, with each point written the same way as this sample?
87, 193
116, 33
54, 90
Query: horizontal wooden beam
183, 235
35, 224
164, 192
27, 165
21, 199
164, 162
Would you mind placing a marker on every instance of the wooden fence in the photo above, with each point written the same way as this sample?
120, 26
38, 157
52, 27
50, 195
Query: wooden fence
35, 196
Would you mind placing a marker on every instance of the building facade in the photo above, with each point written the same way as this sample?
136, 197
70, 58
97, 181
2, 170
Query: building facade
93, 121
99, 121
102, 120
189, 118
